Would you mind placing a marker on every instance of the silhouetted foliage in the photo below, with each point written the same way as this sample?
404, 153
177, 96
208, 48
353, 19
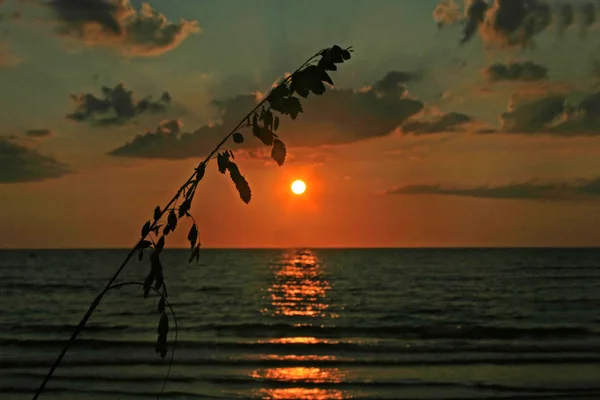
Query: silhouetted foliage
263, 122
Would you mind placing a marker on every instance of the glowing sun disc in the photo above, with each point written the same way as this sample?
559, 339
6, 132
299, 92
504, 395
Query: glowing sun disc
298, 187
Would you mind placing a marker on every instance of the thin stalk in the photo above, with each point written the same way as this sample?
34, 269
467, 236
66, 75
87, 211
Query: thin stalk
110, 283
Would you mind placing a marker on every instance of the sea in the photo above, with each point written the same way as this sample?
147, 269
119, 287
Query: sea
308, 324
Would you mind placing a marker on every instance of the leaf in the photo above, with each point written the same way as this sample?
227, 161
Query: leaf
278, 152
200, 170
299, 84
337, 54
160, 244
161, 305
326, 62
146, 229
172, 220
163, 325
312, 79
156, 269
195, 254
157, 213
346, 55
167, 230
148, 284
185, 206
193, 235
155, 228
276, 124
265, 135
292, 106
222, 160
240, 182
238, 138
268, 119
144, 244
161, 345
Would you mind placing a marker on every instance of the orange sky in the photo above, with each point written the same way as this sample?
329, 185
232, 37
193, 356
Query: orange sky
422, 142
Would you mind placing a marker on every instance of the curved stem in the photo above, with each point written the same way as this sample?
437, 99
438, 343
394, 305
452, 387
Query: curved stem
111, 281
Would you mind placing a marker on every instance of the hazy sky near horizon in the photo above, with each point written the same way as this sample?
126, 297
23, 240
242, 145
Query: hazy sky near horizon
423, 141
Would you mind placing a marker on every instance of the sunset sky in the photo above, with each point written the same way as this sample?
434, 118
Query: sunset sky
476, 127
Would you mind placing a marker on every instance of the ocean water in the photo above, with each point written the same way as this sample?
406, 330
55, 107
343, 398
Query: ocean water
310, 324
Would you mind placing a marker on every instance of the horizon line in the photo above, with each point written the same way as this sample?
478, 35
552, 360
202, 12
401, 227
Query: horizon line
489, 247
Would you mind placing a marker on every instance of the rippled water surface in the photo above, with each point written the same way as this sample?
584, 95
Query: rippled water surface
310, 324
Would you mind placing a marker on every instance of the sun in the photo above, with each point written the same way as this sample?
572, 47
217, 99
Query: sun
298, 187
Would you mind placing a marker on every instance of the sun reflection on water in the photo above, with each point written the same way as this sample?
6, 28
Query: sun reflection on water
299, 294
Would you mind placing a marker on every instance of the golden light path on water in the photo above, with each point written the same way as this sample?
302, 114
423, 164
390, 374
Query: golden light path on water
299, 291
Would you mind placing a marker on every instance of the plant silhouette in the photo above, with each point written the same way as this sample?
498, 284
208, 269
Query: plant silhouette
263, 122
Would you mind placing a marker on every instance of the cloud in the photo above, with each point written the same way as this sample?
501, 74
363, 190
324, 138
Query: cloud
394, 82
441, 123
21, 164
39, 133
340, 116
117, 106
117, 24
554, 114
516, 23
447, 13
515, 71
530, 190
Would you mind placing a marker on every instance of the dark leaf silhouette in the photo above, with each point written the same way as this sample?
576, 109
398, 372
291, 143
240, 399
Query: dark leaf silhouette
156, 270
185, 206
195, 254
167, 230
163, 325
144, 244
172, 220
161, 305
291, 106
238, 138
278, 152
265, 135
240, 182
268, 119
157, 213
346, 55
336, 53
146, 229
300, 84
276, 124
313, 79
160, 244
193, 235
148, 284
161, 345
222, 160
200, 171
155, 228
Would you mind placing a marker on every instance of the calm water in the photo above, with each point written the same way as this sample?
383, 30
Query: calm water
311, 324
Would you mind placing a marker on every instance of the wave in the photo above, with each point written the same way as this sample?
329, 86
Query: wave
329, 346
384, 331
282, 361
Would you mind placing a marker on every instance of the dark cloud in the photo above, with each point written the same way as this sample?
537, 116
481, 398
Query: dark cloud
21, 164
340, 116
534, 116
555, 114
527, 71
394, 82
117, 106
447, 13
39, 133
116, 23
448, 122
475, 15
516, 23
531, 190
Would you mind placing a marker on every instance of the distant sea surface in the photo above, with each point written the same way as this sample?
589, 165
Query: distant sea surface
309, 324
